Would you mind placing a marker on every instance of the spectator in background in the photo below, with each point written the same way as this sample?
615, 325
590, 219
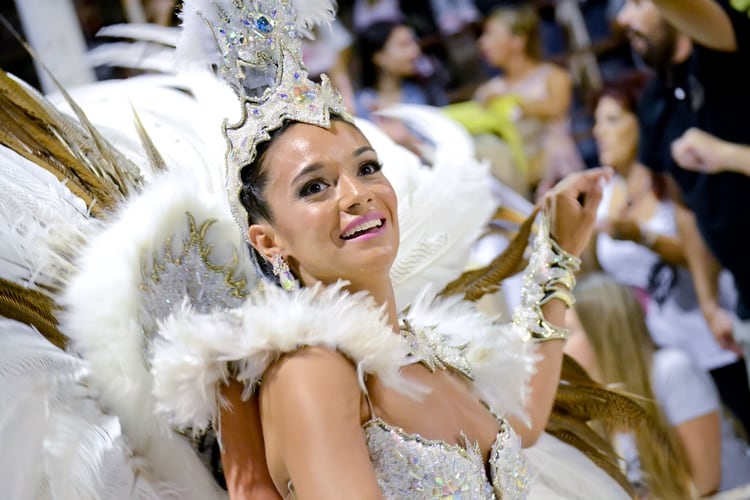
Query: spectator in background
528, 105
393, 72
610, 340
700, 50
637, 244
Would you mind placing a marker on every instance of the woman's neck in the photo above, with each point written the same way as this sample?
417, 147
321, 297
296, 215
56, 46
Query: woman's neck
637, 178
384, 296
519, 66
388, 88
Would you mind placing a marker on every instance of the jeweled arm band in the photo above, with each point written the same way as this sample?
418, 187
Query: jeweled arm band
550, 275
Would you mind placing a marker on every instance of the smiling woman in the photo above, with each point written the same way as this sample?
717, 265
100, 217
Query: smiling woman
331, 213
346, 378
328, 389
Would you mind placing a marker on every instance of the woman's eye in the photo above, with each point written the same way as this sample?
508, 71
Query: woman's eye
312, 187
370, 168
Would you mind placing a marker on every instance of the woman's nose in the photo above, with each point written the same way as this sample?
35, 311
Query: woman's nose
353, 194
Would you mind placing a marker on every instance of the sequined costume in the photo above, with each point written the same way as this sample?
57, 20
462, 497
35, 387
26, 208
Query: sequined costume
159, 302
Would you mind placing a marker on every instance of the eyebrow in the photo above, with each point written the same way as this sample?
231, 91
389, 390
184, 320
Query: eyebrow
362, 150
314, 167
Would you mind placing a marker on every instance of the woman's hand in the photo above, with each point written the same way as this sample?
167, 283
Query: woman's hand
571, 207
621, 228
495, 87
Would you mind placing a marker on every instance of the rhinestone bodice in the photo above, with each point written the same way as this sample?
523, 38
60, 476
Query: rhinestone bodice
409, 466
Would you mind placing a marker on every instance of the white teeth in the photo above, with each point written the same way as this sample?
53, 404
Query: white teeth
363, 227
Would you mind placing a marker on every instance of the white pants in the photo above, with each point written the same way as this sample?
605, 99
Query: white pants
742, 336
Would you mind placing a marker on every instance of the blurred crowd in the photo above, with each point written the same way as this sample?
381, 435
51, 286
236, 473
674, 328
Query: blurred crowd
655, 90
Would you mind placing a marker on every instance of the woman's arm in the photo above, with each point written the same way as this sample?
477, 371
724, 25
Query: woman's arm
570, 208
557, 103
702, 152
704, 21
669, 248
310, 409
243, 453
701, 440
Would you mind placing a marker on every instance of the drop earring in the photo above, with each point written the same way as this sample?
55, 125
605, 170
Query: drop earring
281, 271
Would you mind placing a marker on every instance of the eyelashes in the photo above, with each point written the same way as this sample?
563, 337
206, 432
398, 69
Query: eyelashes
319, 184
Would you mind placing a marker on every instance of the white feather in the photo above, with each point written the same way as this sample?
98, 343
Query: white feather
311, 13
105, 319
145, 32
501, 361
57, 442
193, 350
41, 224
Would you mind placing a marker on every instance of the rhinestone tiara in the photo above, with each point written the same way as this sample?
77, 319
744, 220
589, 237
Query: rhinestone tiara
256, 48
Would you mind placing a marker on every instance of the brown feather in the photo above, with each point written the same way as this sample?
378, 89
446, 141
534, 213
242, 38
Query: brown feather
32, 308
605, 461
154, 157
475, 284
70, 150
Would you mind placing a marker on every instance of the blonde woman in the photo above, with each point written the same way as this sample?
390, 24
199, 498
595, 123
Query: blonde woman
542, 92
610, 339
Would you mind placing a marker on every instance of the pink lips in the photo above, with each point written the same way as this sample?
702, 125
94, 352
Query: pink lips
359, 221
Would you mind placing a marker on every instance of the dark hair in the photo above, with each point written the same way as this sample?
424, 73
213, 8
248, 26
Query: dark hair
254, 177
626, 90
370, 41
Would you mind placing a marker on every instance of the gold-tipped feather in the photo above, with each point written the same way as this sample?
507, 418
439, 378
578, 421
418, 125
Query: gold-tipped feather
475, 284
578, 434
154, 157
32, 308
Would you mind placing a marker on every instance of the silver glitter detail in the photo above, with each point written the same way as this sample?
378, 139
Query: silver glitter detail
185, 270
548, 262
434, 350
509, 473
261, 58
409, 466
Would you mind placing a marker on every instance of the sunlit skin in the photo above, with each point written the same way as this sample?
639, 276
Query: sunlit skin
322, 185
322, 182
616, 134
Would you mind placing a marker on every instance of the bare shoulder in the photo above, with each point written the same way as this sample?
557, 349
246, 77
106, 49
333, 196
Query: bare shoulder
310, 406
557, 75
307, 372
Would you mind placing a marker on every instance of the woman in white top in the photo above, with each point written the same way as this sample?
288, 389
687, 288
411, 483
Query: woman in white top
638, 245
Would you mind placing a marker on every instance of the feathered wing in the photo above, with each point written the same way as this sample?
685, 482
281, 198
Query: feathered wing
60, 172
57, 441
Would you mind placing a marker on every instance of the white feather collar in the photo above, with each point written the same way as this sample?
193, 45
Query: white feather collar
194, 351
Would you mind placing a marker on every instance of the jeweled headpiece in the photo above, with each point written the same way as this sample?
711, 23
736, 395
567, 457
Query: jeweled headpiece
256, 48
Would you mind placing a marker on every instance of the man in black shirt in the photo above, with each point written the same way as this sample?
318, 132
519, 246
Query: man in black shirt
700, 50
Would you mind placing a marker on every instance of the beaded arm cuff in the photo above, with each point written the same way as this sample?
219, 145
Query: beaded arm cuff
549, 275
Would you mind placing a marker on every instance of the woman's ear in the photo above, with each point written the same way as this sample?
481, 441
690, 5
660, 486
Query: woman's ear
263, 238
377, 59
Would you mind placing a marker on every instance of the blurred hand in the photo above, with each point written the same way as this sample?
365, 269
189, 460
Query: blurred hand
721, 325
701, 152
620, 228
494, 87
570, 207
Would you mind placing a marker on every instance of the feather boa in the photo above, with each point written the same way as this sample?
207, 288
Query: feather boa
193, 351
